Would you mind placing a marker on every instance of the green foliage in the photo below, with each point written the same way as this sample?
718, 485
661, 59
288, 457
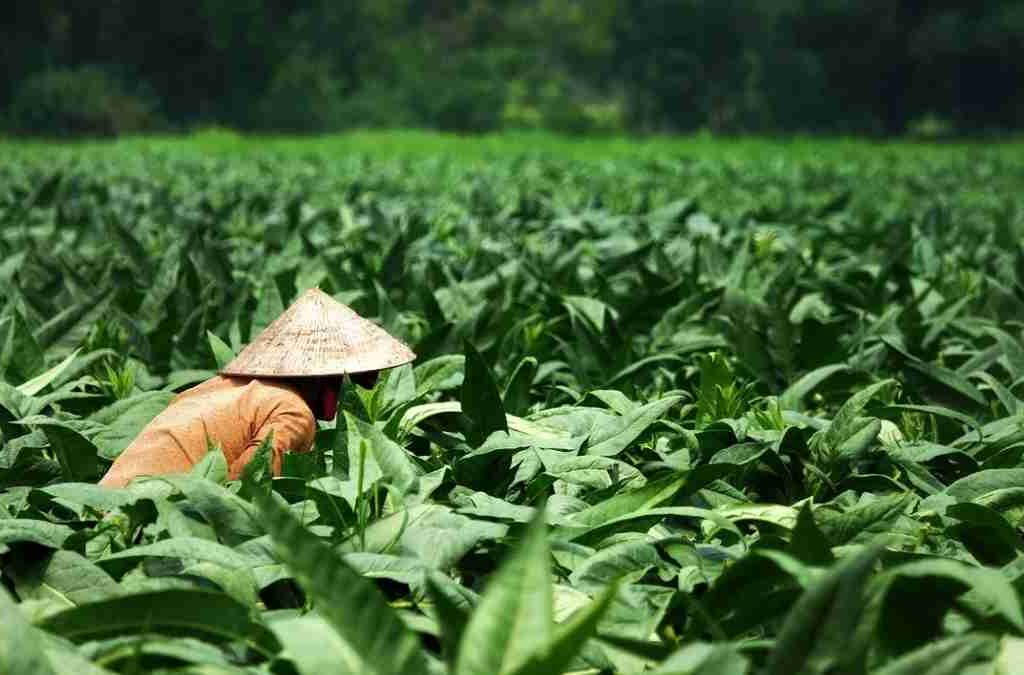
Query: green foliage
739, 411
573, 66
83, 101
467, 95
304, 95
481, 402
720, 396
21, 649
119, 382
339, 594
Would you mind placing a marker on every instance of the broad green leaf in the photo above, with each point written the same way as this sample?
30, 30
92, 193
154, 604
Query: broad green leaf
985, 532
988, 589
863, 433
1011, 655
21, 356
949, 656
63, 577
924, 452
213, 466
792, 398
21, 647
222, 353
981, 483
130, 247
616, 437
385, 459
951, 380
180, 379
90, 495
844, 424
870, 518
121, 653
1011, 403
439, 374
776, 514
451, 618
429, 532
212, 616
380, 639
745, 592
314, 647
258, 471
590, 471
184, 548
416, 415
1012, 350
40, 382
232, 518
16, 404
269, 307
65, 659
165, 281
481, 402
941, 412
632, 618
516, 395
717, 389
704, 658
641, 502
570, 636
397, 387
653, 494
483, 505
815, 635
638, 519
39, 532
616, 400
627, 561
76, 453
810, 306
807, 542
741, 453
514, 618
70, 326
591, 310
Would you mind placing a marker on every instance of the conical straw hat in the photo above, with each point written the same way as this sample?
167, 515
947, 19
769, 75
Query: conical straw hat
319, 336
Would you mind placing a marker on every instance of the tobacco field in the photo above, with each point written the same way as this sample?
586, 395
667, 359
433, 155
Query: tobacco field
669, 415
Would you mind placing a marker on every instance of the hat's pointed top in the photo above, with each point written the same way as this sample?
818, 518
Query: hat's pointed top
318, 336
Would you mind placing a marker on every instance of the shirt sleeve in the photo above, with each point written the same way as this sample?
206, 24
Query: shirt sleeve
294, 430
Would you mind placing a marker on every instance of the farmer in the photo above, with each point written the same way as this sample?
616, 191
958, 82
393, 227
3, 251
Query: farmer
290, 374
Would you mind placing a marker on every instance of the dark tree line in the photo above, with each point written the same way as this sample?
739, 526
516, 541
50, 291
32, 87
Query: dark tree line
849, 66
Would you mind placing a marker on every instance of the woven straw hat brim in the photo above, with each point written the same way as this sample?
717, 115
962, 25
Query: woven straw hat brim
317, 336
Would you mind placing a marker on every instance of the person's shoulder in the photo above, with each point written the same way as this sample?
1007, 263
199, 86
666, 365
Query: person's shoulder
288, 408
214, 384
282, 393
279, 387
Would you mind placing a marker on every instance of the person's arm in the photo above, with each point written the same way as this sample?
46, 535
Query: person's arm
294, 431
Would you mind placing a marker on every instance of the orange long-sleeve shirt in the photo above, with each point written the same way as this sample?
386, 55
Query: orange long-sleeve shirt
236, 414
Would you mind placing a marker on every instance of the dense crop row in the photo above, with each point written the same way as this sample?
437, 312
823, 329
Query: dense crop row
680, 415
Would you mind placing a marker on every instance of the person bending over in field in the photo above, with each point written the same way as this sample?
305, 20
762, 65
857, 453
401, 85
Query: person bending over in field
290, 374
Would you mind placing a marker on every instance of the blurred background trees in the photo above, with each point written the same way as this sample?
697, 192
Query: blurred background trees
577, 66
